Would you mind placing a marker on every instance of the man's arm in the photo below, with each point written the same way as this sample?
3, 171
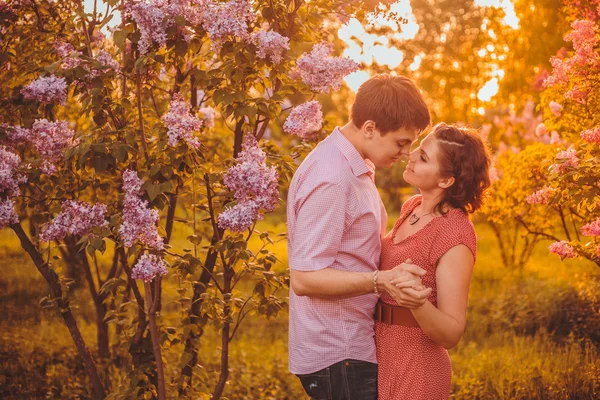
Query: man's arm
332, 283
320, 219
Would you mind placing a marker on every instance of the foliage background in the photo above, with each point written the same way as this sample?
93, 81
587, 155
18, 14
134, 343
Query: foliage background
533, 325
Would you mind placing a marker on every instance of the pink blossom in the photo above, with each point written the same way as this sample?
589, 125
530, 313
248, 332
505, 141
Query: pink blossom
591, 135
591, 229
46, 89
304, 120
10, 179
562, 249
181, 123
208, 116
148, 267
106, 59
542, 196
540, 130
554, 138
271, 44
50, 140
7, 213
66, 51
16, 135
151, 20
255, 186
555, 108
565, 160
139, 222
227, 20
320, 71
76, 218
239, 217
584, 40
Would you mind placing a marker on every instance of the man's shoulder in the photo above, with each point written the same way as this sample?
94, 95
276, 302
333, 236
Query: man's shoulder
325, 164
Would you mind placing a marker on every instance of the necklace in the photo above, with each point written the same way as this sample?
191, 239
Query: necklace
414, 219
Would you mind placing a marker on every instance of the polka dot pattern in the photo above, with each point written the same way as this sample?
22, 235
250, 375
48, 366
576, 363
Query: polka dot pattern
411, 365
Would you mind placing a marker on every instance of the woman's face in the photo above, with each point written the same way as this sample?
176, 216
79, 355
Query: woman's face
422, 170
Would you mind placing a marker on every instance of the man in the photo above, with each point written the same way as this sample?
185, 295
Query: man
335, 222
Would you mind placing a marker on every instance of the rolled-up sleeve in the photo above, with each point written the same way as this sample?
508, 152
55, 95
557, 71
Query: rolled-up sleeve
320, 220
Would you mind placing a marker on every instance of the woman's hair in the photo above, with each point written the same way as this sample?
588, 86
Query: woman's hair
466, 157
392, 102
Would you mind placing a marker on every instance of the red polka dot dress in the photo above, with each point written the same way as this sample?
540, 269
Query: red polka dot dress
411, 365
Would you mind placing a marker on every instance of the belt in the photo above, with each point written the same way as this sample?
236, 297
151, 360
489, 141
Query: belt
394, 315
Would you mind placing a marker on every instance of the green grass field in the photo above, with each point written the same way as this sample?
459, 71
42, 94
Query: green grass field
531, 334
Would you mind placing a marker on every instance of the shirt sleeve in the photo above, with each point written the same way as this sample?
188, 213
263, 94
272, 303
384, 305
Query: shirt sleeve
320, 224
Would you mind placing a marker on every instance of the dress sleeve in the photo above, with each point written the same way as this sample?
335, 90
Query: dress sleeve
457, 230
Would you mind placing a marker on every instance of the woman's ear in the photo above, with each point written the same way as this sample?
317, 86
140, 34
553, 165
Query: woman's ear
445, 183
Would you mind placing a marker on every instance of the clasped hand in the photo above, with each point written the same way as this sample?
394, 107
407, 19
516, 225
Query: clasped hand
403, 284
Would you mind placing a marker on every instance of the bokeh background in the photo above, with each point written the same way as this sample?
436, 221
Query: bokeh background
533, 327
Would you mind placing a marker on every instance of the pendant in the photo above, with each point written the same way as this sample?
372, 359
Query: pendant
413, 219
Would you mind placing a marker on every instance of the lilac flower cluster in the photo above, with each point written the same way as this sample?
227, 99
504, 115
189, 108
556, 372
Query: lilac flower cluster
320, 71
151, 19
568, 159
106, 59
208, 116
542, 196
225, 20
46, 89
148, 267
591, 229
270, 44
68, 54
76, 218
591, 135
10, 180
139, 222
562, 249
50, 140
181, 123
304, 120
255, 186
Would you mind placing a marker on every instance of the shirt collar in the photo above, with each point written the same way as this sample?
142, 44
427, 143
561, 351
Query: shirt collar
359, 165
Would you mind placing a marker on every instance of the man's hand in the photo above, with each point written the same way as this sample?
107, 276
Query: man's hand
403, 284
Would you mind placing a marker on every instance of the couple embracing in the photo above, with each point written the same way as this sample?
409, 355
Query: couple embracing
372, 314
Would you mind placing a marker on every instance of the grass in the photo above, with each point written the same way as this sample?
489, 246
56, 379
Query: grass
532, 333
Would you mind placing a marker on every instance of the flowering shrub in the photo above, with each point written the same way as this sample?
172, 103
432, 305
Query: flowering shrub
107, 141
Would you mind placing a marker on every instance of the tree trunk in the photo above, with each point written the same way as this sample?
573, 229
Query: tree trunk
65, 311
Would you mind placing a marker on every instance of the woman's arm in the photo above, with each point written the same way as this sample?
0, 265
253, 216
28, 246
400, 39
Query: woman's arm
445, 324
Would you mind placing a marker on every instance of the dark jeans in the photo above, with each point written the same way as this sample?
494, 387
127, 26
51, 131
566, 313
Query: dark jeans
345, 380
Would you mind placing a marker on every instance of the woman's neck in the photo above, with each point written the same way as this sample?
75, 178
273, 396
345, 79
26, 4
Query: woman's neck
429, 200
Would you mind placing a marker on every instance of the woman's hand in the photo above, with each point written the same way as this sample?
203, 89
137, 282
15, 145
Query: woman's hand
403, 284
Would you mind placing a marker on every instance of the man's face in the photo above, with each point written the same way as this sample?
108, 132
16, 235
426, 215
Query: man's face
385, 150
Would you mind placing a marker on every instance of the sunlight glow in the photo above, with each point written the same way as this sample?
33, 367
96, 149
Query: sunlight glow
355, 79
510, 16
367, 48
489, 90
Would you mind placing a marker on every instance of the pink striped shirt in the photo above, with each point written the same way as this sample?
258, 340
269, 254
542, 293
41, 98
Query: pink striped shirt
335, 219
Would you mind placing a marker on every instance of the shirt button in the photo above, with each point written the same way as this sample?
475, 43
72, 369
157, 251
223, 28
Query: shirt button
347, 364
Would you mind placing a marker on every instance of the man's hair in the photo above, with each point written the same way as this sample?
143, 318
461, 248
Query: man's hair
392, 102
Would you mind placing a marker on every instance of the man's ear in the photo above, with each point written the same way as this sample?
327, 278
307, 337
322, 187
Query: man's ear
368, 129
445, 183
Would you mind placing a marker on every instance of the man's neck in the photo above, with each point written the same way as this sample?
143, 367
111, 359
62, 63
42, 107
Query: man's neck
353, 134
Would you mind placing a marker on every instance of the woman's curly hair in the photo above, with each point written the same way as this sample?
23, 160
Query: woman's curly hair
466, 157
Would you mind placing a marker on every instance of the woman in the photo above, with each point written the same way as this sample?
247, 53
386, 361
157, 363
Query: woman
450, 168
